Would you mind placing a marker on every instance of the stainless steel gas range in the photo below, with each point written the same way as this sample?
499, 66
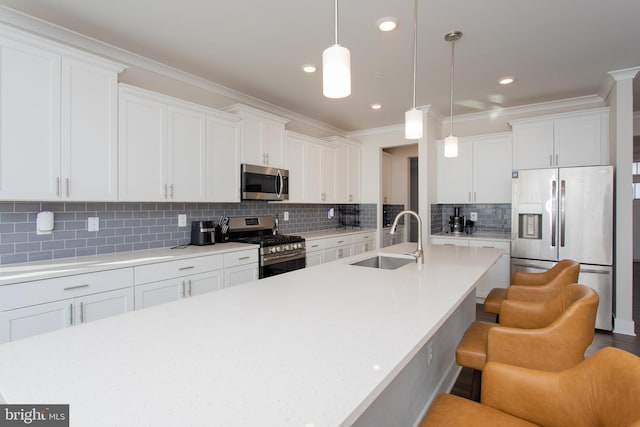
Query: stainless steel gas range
279, 253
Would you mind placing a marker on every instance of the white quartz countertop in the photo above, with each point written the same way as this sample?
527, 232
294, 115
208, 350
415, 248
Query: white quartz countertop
313, 347
24, 272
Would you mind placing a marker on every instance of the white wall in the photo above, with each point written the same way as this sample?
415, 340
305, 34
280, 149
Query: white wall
620, 101
374, 140
400, 173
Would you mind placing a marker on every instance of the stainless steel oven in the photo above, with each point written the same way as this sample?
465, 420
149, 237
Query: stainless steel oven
282, 258
279, 253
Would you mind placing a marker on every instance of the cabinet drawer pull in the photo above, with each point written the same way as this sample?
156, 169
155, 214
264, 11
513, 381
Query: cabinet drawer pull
71, 314
86, 285
186, 268
189, 282
184, 289
490, 247
243, 258
81, 312
58, 186
314, 246
340, 241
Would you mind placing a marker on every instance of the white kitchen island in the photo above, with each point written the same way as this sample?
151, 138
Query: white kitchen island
330, 345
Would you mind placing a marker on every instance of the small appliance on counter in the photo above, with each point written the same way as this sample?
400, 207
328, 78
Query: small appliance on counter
468, 226
202, 233
456, 222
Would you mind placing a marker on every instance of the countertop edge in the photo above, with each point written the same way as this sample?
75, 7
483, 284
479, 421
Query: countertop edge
12, 274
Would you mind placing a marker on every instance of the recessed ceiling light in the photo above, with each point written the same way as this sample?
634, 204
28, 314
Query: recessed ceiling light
507, 80
309, 68
376, 106
387, 24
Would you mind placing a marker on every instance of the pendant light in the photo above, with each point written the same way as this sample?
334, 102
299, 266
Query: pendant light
413, 117
336, 67
451, 142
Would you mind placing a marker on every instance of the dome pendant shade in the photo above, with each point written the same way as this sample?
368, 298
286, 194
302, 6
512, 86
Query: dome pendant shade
451, 146
413, 124
336, 72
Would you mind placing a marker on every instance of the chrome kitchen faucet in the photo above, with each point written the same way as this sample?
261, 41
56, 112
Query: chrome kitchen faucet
417, 254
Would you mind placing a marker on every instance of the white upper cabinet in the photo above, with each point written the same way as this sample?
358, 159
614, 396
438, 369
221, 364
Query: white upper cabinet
455, 174
261, 136
58, 109
562, 140
187, 155
480, 174
295, 148
142, 147
311, 164
348, 170
89, 131
492, 169
223, 154
172, 150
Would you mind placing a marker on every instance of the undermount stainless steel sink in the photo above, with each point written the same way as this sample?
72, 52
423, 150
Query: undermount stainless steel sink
384, 262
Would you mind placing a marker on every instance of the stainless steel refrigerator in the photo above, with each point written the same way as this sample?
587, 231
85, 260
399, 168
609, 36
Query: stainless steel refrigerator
566, 213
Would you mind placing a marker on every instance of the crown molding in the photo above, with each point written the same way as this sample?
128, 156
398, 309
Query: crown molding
39, 27
580, 101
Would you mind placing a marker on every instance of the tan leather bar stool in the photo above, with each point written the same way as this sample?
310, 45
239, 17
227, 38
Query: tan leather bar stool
551, 335
603, 390
534, 286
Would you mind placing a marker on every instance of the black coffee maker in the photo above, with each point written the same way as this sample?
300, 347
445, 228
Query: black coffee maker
456, 222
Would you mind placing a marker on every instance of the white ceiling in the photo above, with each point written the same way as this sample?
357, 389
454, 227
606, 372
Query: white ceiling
555, 49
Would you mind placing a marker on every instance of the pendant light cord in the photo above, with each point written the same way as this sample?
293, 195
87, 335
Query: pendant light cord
453, 44
415, 48
335, 11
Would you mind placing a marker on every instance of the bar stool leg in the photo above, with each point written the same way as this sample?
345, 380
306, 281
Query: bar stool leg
476, 385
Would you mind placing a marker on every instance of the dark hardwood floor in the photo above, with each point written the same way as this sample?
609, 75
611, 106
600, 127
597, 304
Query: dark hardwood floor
462, 387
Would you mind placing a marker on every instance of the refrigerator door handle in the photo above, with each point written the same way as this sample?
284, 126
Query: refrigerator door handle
554, 216
562, 211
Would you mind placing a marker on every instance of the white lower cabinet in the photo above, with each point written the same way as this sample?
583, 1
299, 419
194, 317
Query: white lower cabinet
155, 293
240, 267
32, 308
337, 248
332, 248
498, 276
314, 252
169, 281
362, 243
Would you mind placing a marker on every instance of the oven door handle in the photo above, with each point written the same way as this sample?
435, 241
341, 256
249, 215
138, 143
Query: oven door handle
273, 259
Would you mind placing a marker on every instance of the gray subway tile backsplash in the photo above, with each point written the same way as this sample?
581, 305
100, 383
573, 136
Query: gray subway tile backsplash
492, 218
134, 226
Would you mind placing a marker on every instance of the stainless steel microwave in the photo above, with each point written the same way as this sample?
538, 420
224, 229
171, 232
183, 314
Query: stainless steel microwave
264, 183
